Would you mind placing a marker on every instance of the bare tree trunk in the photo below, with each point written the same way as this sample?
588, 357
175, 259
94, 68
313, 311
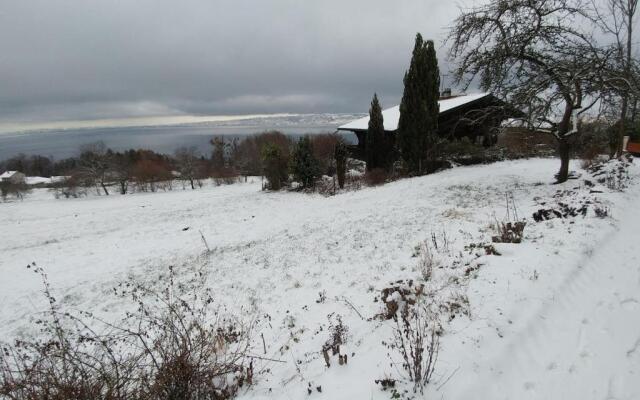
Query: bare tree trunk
629, 13
104, 188
191, 182
564, 150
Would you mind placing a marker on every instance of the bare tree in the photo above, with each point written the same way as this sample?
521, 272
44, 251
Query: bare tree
537, 57
617, 20
188, 164
120, 170
94, 164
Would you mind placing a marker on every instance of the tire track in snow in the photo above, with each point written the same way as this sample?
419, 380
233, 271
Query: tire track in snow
584, 342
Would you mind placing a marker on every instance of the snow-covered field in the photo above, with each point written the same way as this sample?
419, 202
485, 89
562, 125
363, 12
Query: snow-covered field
554, 317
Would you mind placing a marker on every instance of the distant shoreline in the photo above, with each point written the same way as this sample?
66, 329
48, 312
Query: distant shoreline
62, 143
151, 122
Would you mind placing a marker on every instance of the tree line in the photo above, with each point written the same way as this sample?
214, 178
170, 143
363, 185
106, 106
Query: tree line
272, 154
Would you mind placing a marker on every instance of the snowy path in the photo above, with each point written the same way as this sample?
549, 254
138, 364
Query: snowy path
584, 343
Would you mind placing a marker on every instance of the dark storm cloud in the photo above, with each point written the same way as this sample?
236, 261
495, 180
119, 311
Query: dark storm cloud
82, 59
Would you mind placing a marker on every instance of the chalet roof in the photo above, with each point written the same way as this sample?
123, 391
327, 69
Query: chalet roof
8, 174
392, 115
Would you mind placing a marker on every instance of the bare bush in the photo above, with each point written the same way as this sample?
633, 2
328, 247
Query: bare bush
509, 232
416, 338
149, 175
614, 174
338, 336
227, 176
428, 261
338, 333
69, 187
511, 229
175, 345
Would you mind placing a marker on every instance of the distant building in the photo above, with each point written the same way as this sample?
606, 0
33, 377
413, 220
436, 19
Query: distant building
14, 177
476, 116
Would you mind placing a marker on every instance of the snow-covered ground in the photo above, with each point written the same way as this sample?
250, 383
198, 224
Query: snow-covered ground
554, 317
39, 180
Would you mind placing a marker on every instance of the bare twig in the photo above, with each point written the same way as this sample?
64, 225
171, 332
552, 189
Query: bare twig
206, 245
352, 306
447, 380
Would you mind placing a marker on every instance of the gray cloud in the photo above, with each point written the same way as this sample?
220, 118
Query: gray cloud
83, 59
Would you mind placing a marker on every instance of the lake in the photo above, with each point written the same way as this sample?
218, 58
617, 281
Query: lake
165, 139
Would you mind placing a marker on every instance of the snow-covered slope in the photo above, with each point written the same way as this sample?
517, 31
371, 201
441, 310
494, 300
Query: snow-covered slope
554, 317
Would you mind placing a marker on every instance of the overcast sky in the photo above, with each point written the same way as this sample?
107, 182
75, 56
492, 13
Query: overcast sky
86, 59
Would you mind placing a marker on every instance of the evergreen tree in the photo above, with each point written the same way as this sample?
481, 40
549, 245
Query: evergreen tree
218, 156
375, 144
418, 124
304, 166
275, 166
341, 162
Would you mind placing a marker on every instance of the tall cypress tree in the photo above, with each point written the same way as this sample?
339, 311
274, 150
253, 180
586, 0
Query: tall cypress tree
375, 146
433, 94
340, 154
418, 124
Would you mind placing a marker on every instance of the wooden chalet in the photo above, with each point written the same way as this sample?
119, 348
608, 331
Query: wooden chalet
475, 116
